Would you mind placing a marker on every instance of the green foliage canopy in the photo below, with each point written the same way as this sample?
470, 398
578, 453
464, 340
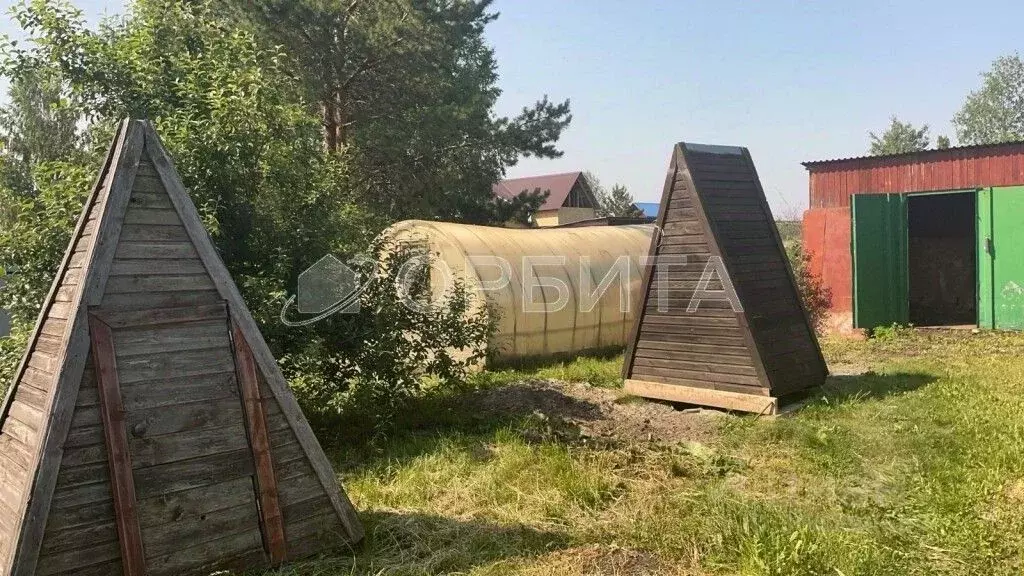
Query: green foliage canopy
407, 89
247, 131
995, 112
899, 138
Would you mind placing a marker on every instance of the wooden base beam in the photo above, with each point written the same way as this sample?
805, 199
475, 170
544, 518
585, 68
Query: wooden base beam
765, 405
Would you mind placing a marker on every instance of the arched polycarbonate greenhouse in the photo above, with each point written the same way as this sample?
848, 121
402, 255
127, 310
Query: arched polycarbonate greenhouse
555, 291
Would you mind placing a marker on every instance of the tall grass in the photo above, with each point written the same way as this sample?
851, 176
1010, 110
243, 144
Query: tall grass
916, 467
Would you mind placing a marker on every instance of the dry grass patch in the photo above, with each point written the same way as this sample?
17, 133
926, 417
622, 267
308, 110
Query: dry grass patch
592, 560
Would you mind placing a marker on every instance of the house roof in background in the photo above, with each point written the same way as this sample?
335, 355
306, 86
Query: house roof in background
560, 186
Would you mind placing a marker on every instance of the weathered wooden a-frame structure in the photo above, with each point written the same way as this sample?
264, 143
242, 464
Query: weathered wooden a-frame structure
721, 323
149, 429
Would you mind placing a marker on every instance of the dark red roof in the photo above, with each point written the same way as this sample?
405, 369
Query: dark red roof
560, 186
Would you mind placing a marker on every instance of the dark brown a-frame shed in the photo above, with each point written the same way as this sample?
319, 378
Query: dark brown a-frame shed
693, 341
149, 429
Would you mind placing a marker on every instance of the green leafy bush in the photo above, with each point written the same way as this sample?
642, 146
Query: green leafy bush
816, 296
11, 351
367, 363
37, 235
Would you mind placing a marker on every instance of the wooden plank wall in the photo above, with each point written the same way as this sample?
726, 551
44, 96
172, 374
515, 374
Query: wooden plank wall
20, 432
191, 462
156, 265
190, 456
703, 349
261, 352
311, 523
81, 533
746, 234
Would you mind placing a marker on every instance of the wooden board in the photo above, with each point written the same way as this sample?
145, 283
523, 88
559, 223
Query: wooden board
744, 228
118, 456
266, 481
266, 364
703, 397
106, 206
181, 444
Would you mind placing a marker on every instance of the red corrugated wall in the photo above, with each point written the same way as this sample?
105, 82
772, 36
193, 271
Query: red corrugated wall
826, 233
827, 226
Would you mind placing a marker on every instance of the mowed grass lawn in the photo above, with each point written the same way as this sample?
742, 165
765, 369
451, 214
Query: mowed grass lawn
916, 467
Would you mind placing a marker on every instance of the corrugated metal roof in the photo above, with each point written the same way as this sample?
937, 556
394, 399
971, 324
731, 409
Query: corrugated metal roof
560, 186
921, 155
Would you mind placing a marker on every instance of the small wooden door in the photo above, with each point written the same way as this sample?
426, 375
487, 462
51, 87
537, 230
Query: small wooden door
186, 478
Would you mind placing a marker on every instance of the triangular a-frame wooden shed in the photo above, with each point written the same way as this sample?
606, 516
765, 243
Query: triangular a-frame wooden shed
149, 429
722, 323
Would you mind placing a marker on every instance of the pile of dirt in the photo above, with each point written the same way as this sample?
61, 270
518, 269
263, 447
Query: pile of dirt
596, 413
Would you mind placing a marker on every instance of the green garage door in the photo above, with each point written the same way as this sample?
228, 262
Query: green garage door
1000, 261
879, 260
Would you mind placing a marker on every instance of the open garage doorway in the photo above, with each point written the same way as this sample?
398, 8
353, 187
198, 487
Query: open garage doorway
942, 259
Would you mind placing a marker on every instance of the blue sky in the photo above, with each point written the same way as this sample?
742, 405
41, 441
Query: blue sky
792, 81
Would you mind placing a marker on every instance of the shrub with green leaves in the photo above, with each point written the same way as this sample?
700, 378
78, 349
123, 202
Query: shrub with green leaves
891, 333
816, 296
368, 362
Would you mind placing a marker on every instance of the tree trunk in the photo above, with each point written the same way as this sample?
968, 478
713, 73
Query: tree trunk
341, 118
330, 143
335, 121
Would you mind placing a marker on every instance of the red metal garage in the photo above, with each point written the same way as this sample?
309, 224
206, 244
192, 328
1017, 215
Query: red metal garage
827, 226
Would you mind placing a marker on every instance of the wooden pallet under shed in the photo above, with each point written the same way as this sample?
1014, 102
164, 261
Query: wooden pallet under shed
149, 429
714, 353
